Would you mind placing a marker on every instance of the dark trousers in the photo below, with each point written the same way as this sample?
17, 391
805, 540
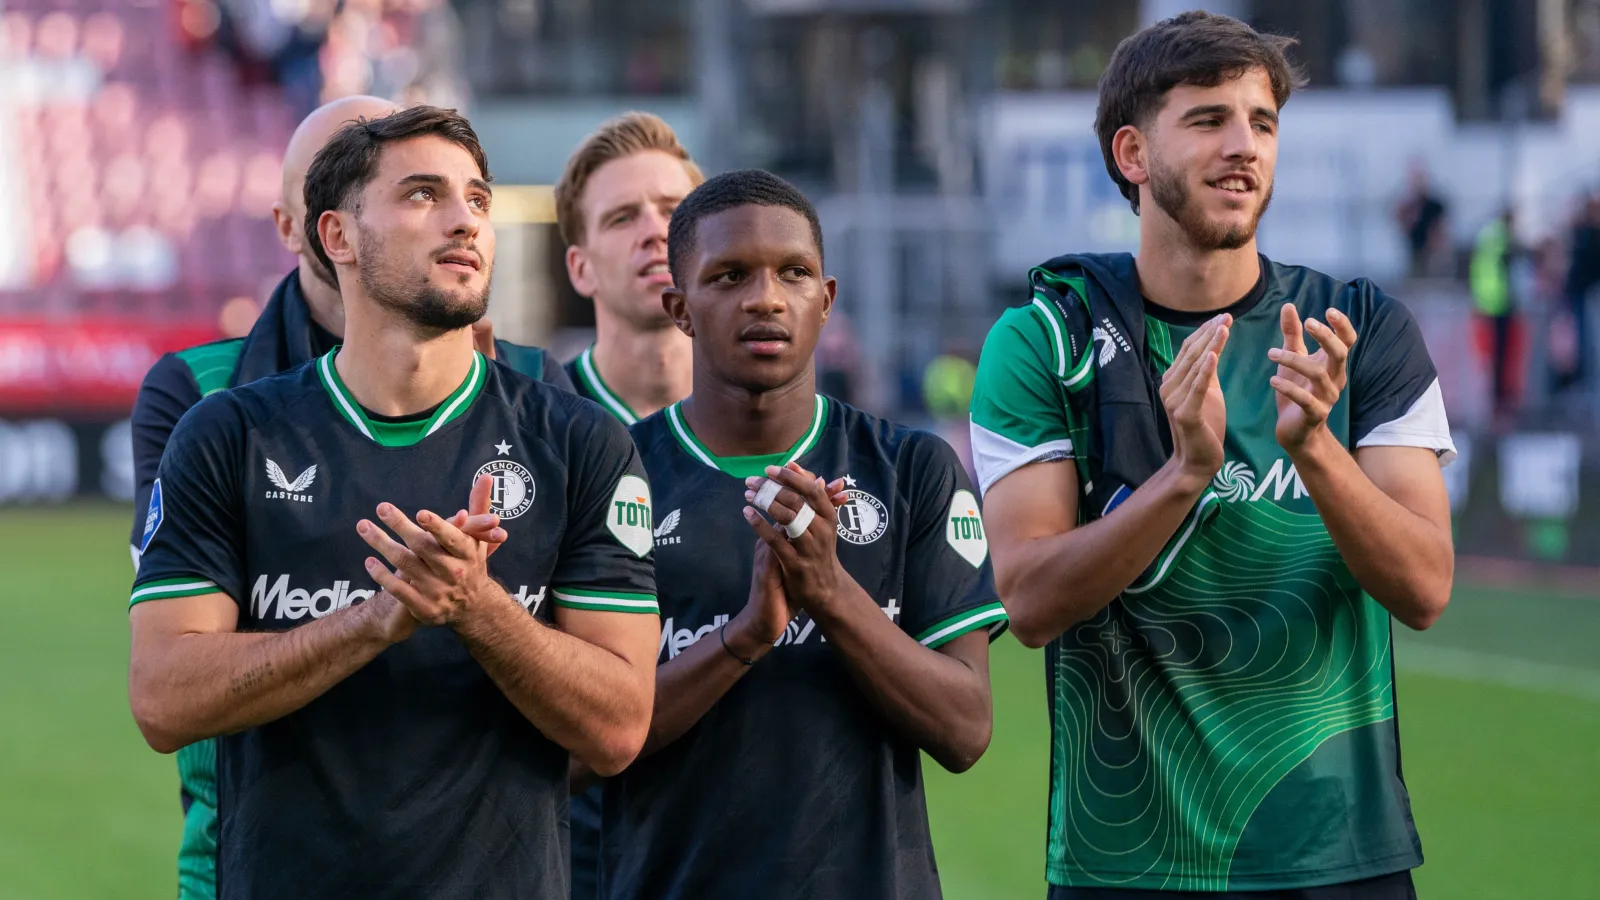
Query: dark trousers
1578, 308
1498, 340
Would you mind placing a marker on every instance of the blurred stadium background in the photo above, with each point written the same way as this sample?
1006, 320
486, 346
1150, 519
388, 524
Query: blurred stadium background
948, 146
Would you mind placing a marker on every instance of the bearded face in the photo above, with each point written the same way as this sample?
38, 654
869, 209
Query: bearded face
1170, 189
408, 287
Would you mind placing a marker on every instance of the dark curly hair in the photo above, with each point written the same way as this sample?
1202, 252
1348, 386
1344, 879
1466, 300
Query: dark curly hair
745, 187
349, 161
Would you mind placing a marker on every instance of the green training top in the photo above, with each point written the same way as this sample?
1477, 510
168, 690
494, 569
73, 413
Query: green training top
1229, 723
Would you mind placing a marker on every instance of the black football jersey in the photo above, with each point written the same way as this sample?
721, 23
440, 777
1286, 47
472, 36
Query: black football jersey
586, 381
415, 776
585, 812
794, 785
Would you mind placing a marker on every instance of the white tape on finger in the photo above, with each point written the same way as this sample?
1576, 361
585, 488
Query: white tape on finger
801, 520
767, 494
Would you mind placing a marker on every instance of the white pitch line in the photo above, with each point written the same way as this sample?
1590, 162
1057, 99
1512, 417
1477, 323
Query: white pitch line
1506, 671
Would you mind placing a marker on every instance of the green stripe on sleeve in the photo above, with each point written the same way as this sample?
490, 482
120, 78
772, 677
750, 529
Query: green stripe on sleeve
606, 601
990, 615
169, 588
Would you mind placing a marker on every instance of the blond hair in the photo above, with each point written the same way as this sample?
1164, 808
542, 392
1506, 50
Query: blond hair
625, 135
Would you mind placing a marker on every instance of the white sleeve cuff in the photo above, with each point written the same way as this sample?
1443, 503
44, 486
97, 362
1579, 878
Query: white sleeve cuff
1423, 425
995, 456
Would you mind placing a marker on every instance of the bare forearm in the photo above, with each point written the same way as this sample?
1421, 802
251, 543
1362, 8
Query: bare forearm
935, 701
692, 682
1402, 559
1051, 583
203, 685
583, 697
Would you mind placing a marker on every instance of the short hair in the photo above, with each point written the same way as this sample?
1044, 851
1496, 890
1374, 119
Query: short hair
1197, 48
625, 135
745, 187
349, 161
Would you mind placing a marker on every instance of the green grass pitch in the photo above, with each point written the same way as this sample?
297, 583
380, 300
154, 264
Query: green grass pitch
1499, 704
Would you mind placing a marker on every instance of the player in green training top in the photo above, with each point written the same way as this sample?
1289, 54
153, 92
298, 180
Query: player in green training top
1210, 481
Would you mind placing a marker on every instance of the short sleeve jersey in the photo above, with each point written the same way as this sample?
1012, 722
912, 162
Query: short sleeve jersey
173, 385
585, 814
1228, 723
415, 776
793, 785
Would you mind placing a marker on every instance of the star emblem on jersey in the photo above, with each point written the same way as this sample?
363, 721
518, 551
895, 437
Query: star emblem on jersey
502, 448
669, 524
863, 517
628, 518
513, 490
286, 489
964, 529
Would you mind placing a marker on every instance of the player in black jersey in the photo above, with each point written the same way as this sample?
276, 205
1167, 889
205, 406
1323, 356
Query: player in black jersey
801, 678
302, 321
613, 203
397, 732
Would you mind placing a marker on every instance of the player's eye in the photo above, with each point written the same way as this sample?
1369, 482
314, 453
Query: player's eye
1264, 127
421, 193
481, 201
1208, 123
731, 276
797, 273
621, 219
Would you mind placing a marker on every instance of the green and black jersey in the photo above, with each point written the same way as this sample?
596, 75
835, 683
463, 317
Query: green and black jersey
415, 776
586, 381
584, 831
284, 336
793, 785
1228, 722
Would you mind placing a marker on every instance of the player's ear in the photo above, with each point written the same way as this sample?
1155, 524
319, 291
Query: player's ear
580, 272
830, 287
338, 241
289, 234
1130, 149
677, 307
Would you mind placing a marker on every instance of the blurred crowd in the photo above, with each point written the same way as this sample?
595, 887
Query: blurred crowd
1531, 298
148, 138
317, 50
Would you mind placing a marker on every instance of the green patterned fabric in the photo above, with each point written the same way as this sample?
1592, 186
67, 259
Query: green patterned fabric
212, 364
1203, 722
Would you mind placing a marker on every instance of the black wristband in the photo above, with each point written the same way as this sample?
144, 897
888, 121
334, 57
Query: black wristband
723, 633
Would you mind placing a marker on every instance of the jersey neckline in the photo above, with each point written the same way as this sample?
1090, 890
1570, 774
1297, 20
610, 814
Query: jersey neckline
399, 434
1240, 308
589, 374
745, 466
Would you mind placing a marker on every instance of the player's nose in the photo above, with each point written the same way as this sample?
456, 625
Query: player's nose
656, 222
765, 295
463, 219
1240, 140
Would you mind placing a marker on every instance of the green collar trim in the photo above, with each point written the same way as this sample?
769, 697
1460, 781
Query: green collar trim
400, 434
746, 466
589, 374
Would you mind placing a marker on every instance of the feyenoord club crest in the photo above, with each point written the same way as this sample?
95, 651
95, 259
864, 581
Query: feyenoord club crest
512, 493
863, 518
